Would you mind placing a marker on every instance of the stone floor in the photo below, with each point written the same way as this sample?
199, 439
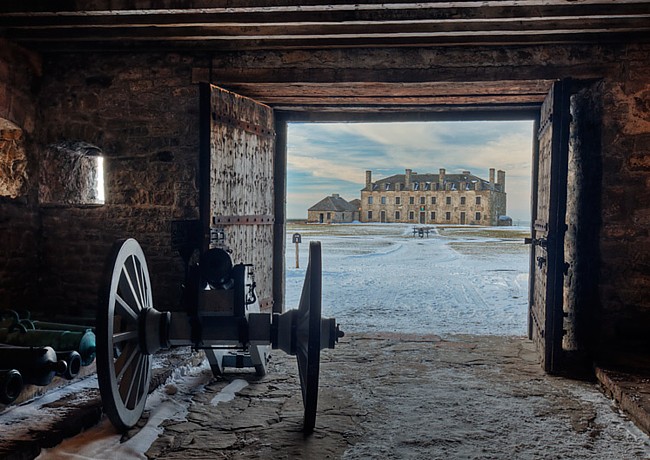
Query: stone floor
382, 396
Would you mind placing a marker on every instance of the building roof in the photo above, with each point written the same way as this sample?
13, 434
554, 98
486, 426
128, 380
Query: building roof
427, 182
334, 203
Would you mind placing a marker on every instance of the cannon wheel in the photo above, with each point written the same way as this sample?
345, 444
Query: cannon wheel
123, 370
308, 336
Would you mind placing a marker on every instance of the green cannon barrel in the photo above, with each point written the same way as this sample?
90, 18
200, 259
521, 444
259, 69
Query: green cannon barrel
37, 366
49, 326
81, 342
11, 384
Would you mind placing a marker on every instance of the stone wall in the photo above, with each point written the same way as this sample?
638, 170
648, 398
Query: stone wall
625, 196
19, 221
141, 112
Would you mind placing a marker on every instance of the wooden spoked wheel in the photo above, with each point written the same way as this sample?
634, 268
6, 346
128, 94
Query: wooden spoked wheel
308, 336
123, 367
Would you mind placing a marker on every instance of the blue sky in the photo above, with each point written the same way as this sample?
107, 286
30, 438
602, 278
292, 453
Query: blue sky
326, 158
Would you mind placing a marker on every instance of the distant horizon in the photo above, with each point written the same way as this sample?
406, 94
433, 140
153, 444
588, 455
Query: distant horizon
328, 158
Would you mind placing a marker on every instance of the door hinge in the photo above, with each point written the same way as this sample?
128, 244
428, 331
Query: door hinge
543, 242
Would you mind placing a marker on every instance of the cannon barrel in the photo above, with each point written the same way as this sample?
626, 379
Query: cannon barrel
49, 326
73, 361
8, 318
81, 342
37, 365
11, 384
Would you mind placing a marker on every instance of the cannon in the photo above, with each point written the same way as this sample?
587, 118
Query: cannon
36, 365
82, 342
11, 384
220, 315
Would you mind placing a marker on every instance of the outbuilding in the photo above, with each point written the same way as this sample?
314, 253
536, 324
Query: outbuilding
333, 210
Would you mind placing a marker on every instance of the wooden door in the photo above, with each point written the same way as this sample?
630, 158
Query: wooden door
237, 181
548, 228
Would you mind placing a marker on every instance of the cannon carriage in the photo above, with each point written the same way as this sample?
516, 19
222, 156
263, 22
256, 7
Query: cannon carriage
220, 315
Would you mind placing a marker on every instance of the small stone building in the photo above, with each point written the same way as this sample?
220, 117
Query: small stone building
435, 198
333, 209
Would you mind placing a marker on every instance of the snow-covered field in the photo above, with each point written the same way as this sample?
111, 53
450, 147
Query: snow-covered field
379, 277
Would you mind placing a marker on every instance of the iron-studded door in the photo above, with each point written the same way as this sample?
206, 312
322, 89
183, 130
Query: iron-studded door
548, 213
237, 188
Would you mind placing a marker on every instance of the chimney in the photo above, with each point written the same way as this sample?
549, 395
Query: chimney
335, 195
407, 181
501, 180
491, 178
369, 180
441, 178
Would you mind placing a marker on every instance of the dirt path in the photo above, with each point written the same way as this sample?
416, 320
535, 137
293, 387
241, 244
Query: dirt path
408, 397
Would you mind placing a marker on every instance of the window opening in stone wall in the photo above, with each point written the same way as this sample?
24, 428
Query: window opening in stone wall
13, 160
461, 278
71, 174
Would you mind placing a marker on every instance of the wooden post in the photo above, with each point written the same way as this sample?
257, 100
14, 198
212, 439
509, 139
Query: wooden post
297, 238
297, 255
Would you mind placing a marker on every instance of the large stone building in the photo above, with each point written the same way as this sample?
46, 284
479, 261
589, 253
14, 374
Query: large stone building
434, 198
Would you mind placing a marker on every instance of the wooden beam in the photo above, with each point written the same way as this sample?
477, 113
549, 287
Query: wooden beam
83, 13
379, 89
447, 29
361, 100
160, 44
460, 114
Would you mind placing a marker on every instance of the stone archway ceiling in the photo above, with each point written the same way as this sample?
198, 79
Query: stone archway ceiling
300, 32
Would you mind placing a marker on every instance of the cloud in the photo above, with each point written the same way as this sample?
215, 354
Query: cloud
333, 158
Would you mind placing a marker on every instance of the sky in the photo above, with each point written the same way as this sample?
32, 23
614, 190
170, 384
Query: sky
327, 158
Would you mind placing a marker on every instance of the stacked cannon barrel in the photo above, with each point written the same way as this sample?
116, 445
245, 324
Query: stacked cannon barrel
33, 352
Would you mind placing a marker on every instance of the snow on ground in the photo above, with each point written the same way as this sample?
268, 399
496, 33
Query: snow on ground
379, 277
168, 402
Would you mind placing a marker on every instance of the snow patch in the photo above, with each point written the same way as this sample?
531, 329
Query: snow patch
228, 393
103, 443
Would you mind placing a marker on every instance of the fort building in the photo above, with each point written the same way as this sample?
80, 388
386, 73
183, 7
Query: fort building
435, 198
333, 209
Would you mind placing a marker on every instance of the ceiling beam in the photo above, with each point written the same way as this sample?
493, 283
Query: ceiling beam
11, 14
